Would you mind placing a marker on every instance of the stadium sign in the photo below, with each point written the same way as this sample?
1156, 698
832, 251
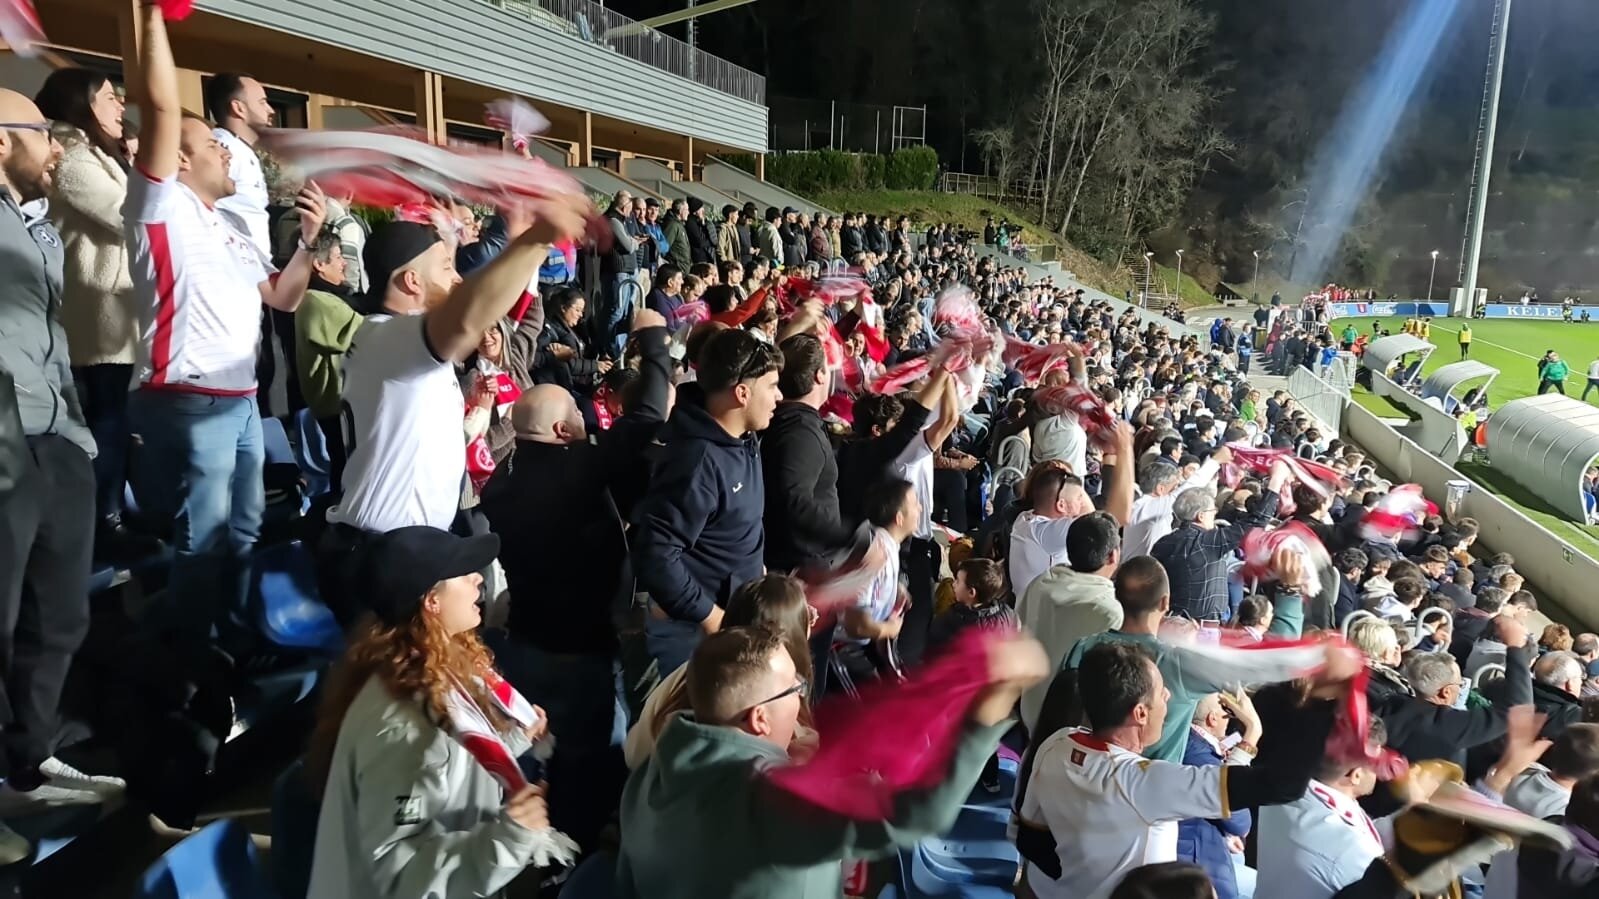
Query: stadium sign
1439, 310
1496, 310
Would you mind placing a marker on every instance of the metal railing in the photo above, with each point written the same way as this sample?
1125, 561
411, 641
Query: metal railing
591, 22
989, 188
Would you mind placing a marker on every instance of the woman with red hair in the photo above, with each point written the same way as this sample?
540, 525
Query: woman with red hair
417, 741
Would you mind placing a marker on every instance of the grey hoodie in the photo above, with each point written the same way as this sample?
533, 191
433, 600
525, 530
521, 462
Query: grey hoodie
33, 347
1534, 792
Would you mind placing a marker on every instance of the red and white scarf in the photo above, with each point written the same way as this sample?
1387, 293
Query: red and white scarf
471, 728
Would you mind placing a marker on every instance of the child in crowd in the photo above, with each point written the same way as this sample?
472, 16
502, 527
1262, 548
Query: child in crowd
864, 642
979, 603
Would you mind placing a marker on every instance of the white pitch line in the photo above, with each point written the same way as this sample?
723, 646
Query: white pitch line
1486, 343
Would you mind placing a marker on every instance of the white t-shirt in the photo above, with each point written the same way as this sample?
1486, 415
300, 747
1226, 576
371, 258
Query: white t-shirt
915, 464
1151, 517
248, 204
1593, 370
880, 596
1036, 545
408, 450
197, 284
1314, 846
1061, 438
1110, 811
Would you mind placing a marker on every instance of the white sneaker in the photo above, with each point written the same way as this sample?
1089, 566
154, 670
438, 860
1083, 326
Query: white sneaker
15, 803
13, 846
60, 774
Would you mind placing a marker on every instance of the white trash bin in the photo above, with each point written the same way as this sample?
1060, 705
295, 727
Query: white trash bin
1457, 491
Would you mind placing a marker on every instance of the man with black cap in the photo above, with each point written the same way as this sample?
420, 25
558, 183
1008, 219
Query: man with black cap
675, 226
701, 245
402, 400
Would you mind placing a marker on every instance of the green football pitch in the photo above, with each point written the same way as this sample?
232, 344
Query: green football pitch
1510, 345
1514, 347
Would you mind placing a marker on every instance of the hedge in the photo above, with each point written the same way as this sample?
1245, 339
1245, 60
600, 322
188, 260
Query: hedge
912, 168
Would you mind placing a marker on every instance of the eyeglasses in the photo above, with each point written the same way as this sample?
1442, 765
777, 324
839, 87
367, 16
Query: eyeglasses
800, 686
40, 127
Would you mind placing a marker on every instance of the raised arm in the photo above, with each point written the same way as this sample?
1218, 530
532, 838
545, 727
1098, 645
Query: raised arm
1119, 489
154, 83
476, 304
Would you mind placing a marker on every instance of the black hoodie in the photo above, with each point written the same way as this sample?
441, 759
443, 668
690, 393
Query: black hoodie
803, 521
699, 534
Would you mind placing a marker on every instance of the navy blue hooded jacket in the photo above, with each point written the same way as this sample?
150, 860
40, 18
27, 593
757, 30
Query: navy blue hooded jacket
700, 535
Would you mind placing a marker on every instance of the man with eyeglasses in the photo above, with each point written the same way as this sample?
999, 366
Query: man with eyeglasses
701, 819
46, 486
1196, 554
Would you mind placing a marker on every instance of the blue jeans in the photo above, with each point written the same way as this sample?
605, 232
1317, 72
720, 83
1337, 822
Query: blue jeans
582, 695
621, 295
200, 466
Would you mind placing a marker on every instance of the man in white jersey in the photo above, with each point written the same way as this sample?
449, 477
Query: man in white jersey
239, 107
199, 285
402, 401
1095, 808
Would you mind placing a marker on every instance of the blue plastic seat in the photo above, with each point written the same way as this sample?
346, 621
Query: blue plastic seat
595, 878
283, 595
974, 860
219, 862
295, 811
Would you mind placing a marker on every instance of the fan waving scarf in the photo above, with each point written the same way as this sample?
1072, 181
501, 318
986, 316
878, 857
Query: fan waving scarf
1398, 514
1318, 477
517, 118
898, 736
387, 167
1092, 413
1260, 545
1275, 661
20, 28
1036, 361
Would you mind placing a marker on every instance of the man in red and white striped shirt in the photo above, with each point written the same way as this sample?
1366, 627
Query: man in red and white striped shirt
199, 285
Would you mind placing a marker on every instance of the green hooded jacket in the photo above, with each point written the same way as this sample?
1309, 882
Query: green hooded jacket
699, 820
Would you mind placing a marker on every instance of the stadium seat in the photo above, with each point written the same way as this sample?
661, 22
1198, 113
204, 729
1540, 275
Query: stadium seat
595, 878
1487, 674
1352, 618
295, 811
1434, 616
219, 862
890, 891
284, 598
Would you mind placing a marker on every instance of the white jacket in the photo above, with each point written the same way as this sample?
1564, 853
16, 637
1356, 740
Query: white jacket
97, 308
409, 814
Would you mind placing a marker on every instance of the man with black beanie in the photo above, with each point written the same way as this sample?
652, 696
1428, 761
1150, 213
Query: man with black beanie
402, 400
701, 243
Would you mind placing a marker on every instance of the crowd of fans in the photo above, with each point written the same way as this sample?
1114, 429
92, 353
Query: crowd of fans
583, 498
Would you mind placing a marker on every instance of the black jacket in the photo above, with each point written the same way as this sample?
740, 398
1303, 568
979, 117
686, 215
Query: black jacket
794, 244
701, 243
803, 521
1470, 626
851, 241
1549, 873
877, 239
560, 521
1418, 729
575, 374
699, 531
864, 461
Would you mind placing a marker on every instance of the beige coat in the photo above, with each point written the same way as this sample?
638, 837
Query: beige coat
97, 308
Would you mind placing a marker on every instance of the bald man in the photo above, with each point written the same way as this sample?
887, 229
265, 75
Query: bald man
46, 484
561, 520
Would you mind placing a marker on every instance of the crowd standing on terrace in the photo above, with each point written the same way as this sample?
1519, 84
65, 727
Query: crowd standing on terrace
618, 531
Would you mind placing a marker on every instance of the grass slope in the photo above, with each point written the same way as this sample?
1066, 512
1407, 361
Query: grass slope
964, 211
1510, 345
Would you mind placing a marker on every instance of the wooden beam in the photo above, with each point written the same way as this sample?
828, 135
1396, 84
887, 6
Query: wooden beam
688, 157
429, 90
585, 140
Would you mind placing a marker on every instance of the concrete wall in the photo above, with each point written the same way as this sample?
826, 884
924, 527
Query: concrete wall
1560, 574
477, 43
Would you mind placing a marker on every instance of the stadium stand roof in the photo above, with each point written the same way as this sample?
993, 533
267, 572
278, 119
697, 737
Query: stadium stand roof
1545, 443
